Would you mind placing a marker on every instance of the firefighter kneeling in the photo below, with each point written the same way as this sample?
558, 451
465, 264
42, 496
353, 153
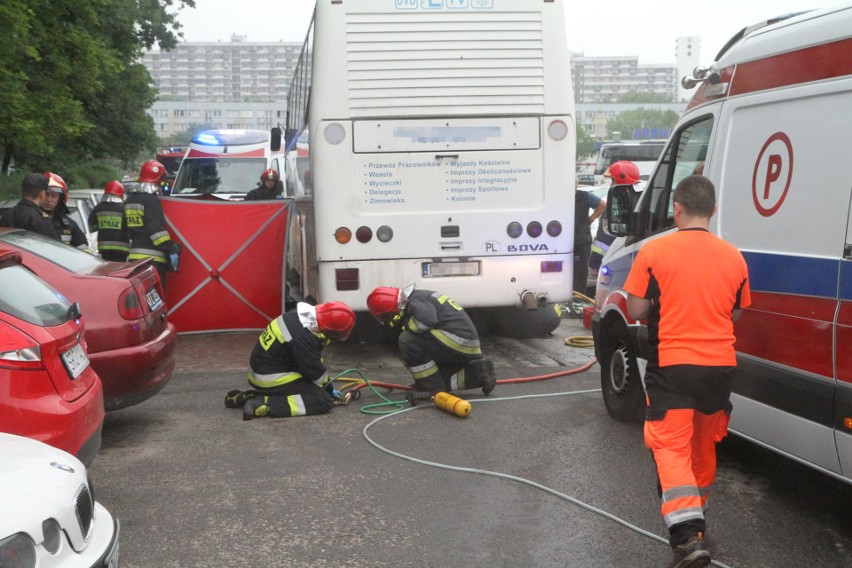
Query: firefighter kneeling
438, 341
286, 369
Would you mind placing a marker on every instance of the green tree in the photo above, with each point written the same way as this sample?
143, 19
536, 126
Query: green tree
585, 142
644, 97
72, 82
641, 118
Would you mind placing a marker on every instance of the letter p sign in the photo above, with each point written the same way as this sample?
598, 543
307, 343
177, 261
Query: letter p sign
773, 172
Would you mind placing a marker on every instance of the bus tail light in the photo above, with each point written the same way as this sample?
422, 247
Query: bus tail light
534, 229
557, 130
342, 235
384, 233
364, 234
554, 228
551, 266
346, 279
515, 229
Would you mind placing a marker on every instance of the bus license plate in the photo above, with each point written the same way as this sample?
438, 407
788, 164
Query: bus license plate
75, 360
154, 299
447, 269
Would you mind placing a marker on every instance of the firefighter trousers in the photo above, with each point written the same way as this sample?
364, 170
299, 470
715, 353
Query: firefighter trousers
687, 415
438, 367
299, 398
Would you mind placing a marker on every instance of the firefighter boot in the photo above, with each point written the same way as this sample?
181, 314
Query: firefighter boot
481, 372
256, 407
236, 398
690, 554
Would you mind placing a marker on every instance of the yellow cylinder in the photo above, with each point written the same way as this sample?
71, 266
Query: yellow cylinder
452, 404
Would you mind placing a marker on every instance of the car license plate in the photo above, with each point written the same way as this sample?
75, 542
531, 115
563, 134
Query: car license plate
448, 269
75, 360
154, 299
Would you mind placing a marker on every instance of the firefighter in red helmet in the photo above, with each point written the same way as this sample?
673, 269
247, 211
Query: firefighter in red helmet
438, 341
623, 172
146, 223
107, 218
56, 209
269, 187
286, 370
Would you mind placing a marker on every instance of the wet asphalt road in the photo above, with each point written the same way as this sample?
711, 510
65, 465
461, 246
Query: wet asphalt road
194, 485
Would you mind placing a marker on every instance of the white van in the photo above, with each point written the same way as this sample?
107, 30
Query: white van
768, 126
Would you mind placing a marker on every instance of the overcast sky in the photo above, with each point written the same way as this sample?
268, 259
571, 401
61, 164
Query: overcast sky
646, 28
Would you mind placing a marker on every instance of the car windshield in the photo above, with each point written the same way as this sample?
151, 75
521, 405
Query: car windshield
55, 251
218, 175
25, 296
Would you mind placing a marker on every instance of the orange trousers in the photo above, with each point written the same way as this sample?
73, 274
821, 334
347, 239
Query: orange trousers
684, 448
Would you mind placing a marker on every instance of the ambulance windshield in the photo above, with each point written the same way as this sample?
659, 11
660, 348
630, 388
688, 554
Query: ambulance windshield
218, 175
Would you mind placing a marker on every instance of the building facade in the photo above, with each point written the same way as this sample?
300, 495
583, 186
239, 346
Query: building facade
605, 79
236, 84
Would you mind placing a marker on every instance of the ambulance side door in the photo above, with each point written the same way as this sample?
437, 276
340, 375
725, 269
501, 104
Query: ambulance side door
843, 357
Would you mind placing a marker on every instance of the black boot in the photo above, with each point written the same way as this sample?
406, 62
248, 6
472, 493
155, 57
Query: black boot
236, 398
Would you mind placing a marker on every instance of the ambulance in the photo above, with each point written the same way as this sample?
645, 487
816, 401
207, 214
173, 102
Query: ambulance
767, 125
226, 164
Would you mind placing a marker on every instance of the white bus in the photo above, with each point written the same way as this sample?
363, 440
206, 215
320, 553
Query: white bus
442, 149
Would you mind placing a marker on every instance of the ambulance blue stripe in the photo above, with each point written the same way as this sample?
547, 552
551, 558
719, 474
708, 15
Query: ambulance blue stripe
800, 275
846, 280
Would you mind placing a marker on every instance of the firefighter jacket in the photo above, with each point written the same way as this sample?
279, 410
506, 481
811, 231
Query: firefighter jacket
263, 194
285, 352
440, 316
68, 230
146, 227
29, 216
107, 218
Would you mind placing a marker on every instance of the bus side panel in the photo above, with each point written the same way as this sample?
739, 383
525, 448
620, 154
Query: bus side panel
787, 211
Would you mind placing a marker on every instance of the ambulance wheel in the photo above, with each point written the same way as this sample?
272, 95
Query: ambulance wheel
622, 389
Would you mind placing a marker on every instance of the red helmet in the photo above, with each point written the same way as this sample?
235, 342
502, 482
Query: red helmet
335, 320
269, 174
57, 184
152, 171
114, 188
383, 303
624, 173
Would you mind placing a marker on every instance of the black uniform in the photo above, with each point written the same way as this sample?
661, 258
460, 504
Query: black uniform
27, 215
286, 368
146, 227
107, 218
262, 194
68, 230
440, 345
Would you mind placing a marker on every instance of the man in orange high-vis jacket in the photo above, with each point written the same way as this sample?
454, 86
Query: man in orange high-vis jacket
691, 286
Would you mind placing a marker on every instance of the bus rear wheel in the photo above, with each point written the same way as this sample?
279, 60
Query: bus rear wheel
621, 384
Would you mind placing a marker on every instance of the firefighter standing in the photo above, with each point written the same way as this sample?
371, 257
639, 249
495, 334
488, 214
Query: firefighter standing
27, 213
438, 341
286, 370
107, 218
146, 223
268, 189
619, 173
691, 285
56, 208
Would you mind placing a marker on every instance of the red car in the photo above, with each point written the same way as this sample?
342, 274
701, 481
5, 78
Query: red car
48, 389
131, 343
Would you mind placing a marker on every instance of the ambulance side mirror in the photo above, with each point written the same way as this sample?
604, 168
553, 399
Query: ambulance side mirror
275, 139
619, 210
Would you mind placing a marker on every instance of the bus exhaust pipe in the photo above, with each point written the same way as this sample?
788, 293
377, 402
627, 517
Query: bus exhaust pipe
532, 300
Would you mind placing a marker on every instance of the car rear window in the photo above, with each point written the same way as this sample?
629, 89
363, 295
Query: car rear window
55, 251
25, 296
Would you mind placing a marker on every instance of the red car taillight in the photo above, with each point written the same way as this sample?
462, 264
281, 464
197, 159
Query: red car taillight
129, 305
18, 350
